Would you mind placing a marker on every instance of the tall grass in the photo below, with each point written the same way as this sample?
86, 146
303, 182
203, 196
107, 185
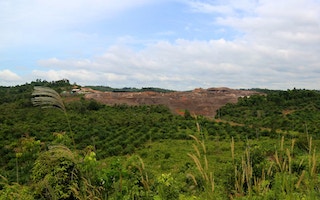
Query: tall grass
243, 173
202, 166
279, 180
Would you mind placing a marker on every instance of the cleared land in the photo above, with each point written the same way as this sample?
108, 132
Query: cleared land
198, 101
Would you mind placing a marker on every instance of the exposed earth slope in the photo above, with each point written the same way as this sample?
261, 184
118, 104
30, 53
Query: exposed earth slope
198, 101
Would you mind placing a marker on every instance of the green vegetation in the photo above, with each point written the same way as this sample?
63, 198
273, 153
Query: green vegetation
263, 147
294, 110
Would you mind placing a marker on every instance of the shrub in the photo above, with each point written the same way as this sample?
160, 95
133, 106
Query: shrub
55, 172
16, 191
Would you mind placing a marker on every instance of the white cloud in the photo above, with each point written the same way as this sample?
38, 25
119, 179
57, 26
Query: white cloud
70, 63
80, 76
8, 77
280, 39
278, 46
185, 64
223, 7
198, 6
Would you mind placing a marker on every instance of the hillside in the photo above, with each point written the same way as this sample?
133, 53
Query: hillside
262, 147
200, 101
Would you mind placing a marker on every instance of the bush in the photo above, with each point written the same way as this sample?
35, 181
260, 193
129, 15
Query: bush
55, 172
16, 191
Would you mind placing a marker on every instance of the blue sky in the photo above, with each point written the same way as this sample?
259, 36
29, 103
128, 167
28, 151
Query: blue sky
174, 44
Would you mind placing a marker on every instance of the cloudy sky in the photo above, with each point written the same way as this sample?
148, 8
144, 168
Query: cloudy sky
174, 44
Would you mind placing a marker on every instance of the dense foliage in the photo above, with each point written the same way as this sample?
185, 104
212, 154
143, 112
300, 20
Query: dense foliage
95, 151
291, 110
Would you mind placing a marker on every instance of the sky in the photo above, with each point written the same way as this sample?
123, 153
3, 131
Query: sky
172, 44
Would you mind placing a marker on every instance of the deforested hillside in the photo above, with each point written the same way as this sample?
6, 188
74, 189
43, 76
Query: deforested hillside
203, 102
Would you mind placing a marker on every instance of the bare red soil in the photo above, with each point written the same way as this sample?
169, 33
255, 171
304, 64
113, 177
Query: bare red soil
198, 101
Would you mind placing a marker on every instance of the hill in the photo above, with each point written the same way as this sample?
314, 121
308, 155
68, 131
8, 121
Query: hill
98, 151
199, 101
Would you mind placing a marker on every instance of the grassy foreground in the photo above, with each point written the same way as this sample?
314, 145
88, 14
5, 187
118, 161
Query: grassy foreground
263, 168
194, 168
